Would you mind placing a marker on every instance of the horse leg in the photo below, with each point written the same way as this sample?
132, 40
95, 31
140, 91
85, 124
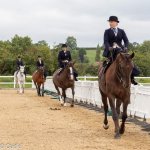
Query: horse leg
73, 92
36, 87
104, 100
118, 104
39, 90
124, 117
115, 117
19, 86
60, 97
43, 89
64, 96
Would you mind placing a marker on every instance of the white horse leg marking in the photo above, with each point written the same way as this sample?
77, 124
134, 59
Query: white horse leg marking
71, 73
105, 126
61, 100
65, 104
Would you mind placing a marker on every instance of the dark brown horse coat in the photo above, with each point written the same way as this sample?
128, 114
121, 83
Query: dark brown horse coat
64, 80
115, 85
38, 79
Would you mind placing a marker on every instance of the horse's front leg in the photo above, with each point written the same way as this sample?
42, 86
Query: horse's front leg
64, 96
105, 103
19, 87
118, 104
60, 97
39, 90
73, 92
124, 117
115, 117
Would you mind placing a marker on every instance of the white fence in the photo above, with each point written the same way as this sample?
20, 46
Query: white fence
13, 82
87, 91
84, 78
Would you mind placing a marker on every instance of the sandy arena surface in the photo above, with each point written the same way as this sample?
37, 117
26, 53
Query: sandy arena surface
28, 123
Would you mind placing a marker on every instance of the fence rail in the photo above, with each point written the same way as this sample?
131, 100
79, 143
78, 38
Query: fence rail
83, 78
88, 91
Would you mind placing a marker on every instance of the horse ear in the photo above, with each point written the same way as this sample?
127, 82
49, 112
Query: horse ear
132, 55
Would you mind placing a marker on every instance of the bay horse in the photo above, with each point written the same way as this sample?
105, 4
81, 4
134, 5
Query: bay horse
64, 79
115, 85
38, 79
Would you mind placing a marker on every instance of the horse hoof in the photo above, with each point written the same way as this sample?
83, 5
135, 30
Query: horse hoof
121, 131
72, 105
65, 104
105, 126
117, 136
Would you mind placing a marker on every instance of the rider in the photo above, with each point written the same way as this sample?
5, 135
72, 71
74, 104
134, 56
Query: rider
64, 57
19, 62
40, 63
113, 38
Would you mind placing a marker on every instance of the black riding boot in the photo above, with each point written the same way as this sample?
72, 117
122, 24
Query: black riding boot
75, 75
133, 80
135, 72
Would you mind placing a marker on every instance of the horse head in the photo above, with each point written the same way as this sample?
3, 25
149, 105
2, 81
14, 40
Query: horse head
124, 67
41, 69
69, 67
22, 68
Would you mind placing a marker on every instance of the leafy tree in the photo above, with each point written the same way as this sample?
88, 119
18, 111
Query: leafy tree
72, 43
98, 53
82, 53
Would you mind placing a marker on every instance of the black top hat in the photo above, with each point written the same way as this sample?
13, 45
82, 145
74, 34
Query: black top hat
113, 18
64, 45
39, 56
19, 57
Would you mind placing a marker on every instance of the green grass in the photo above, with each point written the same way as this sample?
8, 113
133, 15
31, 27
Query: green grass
12, 86
91, 55
11, 79
143, 80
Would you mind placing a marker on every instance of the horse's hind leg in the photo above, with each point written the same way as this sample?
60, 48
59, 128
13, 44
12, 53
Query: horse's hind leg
124, 117
105, 103
73, 92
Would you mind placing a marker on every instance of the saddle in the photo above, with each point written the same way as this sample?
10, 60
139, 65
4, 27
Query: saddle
106, 65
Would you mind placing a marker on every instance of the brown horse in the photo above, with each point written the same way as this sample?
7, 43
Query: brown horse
115, 85
38, 79
64, 80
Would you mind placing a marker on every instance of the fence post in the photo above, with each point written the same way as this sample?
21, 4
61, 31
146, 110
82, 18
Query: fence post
84, 78
14, 83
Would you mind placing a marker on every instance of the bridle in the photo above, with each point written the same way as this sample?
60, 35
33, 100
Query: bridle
119, 74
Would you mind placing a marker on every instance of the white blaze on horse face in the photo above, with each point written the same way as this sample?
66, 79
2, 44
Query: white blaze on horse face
22, 69
71, 73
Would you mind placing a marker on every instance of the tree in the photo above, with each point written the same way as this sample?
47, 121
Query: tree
42, 43
72, 43
82, 53
20, 44
98, 53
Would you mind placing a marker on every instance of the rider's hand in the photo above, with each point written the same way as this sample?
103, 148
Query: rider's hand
66, 61
125, 49
110, 48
